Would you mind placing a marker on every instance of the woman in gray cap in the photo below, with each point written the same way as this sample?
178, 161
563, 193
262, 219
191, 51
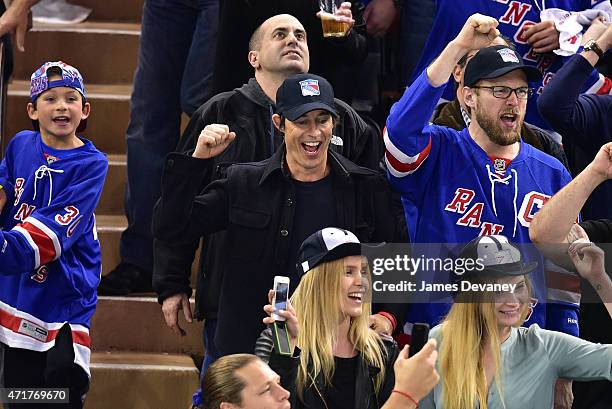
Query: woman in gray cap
487, 360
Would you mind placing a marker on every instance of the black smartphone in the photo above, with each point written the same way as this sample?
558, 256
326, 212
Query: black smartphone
419, 337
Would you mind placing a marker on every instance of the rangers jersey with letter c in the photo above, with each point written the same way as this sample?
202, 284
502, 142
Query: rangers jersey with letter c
452, 192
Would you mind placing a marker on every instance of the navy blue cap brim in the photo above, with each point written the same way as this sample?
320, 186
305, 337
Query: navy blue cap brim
294, 113
532, 73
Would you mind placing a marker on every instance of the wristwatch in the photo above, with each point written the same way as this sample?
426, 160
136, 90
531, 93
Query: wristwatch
591, 45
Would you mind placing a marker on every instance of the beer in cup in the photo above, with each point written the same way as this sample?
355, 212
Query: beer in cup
329, 22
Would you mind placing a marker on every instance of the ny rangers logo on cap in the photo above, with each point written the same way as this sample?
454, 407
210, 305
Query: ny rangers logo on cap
310, 88
508, 55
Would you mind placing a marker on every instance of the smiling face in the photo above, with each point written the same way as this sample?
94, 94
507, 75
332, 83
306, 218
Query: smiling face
262, 388
307, 141
510, 307
280, 46
500, 118
59, 112
353, 286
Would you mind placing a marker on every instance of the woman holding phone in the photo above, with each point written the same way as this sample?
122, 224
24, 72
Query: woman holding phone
338, 361
486, 359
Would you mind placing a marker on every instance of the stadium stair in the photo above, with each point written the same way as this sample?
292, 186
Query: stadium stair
137, 361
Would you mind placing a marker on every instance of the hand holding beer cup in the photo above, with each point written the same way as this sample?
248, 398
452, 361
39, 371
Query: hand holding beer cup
336, 17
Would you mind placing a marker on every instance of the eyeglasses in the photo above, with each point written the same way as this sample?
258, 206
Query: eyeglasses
504, 92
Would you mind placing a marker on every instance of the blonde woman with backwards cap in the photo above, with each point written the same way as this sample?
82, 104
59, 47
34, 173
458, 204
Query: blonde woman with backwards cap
487, 360
338, 360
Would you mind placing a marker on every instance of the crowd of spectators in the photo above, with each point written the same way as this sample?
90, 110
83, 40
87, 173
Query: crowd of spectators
282, 172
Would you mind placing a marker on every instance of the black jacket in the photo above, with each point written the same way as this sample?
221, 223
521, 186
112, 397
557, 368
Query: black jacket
314, 396
255, 204
248, 112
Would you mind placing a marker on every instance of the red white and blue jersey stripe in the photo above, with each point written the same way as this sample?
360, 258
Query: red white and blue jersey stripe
451, 192
50, 260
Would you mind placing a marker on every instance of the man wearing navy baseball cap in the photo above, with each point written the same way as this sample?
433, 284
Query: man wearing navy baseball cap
481, 180
268, 208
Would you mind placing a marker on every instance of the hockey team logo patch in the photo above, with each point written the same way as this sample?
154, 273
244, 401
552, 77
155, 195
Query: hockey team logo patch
310, 88
508, 55
499, 165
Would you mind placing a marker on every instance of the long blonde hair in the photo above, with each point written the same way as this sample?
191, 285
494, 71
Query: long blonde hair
467, 331
317, 301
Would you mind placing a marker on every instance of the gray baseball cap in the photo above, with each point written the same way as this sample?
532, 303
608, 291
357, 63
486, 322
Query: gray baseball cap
498, 255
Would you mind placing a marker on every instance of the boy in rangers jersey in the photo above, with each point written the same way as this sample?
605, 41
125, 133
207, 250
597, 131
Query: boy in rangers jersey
483, 180
50, 262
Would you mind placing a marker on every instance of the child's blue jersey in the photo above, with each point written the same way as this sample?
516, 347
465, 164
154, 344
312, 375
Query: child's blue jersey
50, 261
451, 193
514, 18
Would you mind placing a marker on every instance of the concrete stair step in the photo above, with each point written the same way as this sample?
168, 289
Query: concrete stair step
110, 113
109, 229
104, 53
113, 194
141, 381
137, 324
113, 10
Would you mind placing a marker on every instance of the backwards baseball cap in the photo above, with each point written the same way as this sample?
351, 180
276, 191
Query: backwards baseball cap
302, 93
498, 255
328, 244
495, 61
71, 77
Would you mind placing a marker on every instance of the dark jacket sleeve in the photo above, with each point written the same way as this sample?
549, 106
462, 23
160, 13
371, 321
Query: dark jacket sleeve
389, 383
353, 48
599, 231
181, 217
209, 113
287, 368
573, 115
390, 227
550, 146
264, 345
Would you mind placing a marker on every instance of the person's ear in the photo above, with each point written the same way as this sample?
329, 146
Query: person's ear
86, 111
469, 97
457, 73
32, 112
277, 122
226, 405
254, 59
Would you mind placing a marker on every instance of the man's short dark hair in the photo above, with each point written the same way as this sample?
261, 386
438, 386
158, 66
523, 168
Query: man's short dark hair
256, 38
